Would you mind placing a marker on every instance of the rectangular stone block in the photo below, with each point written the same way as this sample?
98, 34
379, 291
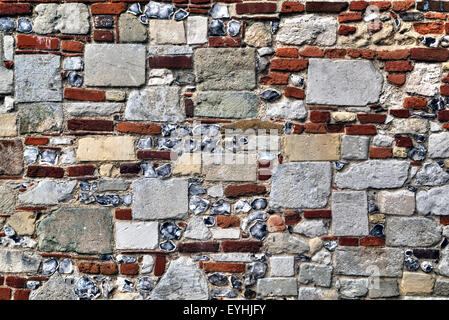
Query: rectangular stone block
37, 77
11, 157
106, 148
312, 147
354, 147
413, 283
343, 82
225, 233
226, 104
349, 213
229, 167
364, 261
303, 185
114, 65
167, 32
155, 199
40, 117
8, 127
6, 80
225, 68
401, 202
136, 235
277, 287
196, 29
16, 261
282, 266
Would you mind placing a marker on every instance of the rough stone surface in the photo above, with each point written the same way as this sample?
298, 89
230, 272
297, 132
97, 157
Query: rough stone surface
409, 126
258, 35
434, 201
310, 273
114, 65
229, 167
438, 146
196, 29
74, 18
401, 202
277, 287
287, 109
23, 223
40, 117
413, 283
104, 148
7, 201
431, 174
48, 192
424, 79
354, 147
282, 266
8, 127
312, 147
197, 230
130, 29
228, 104
311, 228
14, 261
11, 157
340, 82
167, 32
56, 288
421, 232
301, 185
284, 243
136, 235
349, 213
384, 288
353, 288
81, 230
155, 199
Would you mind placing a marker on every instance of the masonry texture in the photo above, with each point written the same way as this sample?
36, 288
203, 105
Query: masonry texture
202, 149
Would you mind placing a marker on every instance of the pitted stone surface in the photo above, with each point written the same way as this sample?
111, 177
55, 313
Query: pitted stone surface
56, 288
15, 261
285, 243
11, 151
301, 185
114, 65
438, 146
424, 79
155, 199
48, 192
421, 232
277, 287
40, 117
8, 200
310, 273
287, 109
342, 82
401, 202
349, 213
434, 201
354, 147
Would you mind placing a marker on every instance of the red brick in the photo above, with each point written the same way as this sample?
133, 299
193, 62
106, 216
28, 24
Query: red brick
223, 267
287, 52
108, 8
15, 282
400, 113
345, 30
129, 268
84, 94
156, 155
278, 78
313, 214
248, 189
382, 5
335, 128
294, 92
129, 168
397, 78
189, 107
193, 247
371, 117
36, 141
400, 54
292, 6
335, 53
401, 6
372, 241
90, 125
298, 128
123, 214
444, 90
349, 17
275, 223
436, 27
241, 246
291, 218
72, 46
348, 241
5, 293
108, 268
288, 64
443, 115
138, 127
429, 54
313, 52
89, 267
435, 15
83, 170
415, 103
170, 62
358, 5
380, 152
324, 6
396, 66
223, 42
13, 9
23, 294
320, 116
402, 141
255, 7
444, 220
361, 129
8, 64
159, 265
43, 172
36, 42
228, 221
362, 53
103, 36
315, 128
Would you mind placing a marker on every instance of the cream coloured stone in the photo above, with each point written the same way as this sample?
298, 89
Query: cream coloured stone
115, 95
8, 127
196, 29
167, 32
258, 35
399, 152
315, 245
106, 169
225, 233
401, 202
188, 163
376, 218
413, 283
312, 147
106, 148
343, 116
229, 167
22, 222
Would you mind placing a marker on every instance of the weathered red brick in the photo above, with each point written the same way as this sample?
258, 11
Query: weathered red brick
5, 293
241, 246
193, 247
358, 5
335, 53
372, 241
294, 92
88, 267
248, 189
382, 5
429, 54
90, 125
278, 78
34, 141
228, 221
443, 115
156, 155
348, 241
315, 128
415, 103
82, 170
275, 223
436, 27
129, 168
349, 17
320, 116
223, 267
327, 7
361, 129
345, 30
371, 117
138, 127
35, 42
397, 78
401, 6
400, 54
223, 42
313, 214
291, 217
170, 62
13, 9
396, 66
108, 268
43, 172
15, 282
435, 15
380, 152
444, 90
129, 268
400, 113
313, 52
72, 46
103, 36
287, 52
22, 294
444, 220
335, 127
84, 94
288, 64
108, 8
292, 6
159, 265
255, 7
361, 53
123, 214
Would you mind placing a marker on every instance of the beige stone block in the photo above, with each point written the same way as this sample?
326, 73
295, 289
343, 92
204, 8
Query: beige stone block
167, 32
105, 170
376, 218
229, 167
343, 116
115, 95
106, 148
22, 222
8, 127
315, 245
188, 163
312, 147
399, 152
414, 283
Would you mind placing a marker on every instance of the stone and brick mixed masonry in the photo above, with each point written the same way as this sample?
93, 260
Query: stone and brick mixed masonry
116, 115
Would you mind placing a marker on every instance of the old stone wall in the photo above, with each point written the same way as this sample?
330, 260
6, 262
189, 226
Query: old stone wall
236, 149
